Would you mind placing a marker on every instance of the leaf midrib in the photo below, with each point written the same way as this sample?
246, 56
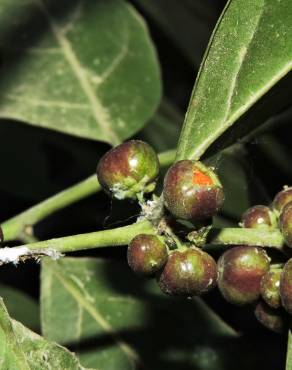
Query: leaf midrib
229, 117
100, 114
130, 353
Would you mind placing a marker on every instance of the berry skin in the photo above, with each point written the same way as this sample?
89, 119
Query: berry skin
192, 191
240, 272
270, 288
128, 169
286, 286
259, 217
146, 254
285, 223
188, 272
272, 319
281, 199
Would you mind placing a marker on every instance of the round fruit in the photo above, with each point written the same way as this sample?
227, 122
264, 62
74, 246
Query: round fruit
270, 288
272, 319
128, 169
286, 286
192, 191
188, 272
285, 223
240, 272
146, 254
259, 217
281, 199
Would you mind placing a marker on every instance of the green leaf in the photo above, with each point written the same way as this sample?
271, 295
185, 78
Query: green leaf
22, 349
86, 68
249, 52
289, 349
116, 321
21, 307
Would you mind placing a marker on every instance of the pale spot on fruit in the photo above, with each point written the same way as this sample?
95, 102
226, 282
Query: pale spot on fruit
187, 267
133, 162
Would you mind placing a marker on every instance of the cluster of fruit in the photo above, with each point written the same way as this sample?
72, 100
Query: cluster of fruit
275, 287
192, 194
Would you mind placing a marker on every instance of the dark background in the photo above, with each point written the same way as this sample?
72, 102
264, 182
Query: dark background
36, 163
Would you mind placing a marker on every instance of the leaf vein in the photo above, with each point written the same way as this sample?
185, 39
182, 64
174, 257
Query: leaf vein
100, 114
96, 315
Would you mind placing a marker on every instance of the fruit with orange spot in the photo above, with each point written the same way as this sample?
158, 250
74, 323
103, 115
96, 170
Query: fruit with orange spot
192, 191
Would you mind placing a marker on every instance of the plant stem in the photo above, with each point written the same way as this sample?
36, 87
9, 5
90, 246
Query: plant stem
123, 235
289, 347
16, 226
238, 236
105, 238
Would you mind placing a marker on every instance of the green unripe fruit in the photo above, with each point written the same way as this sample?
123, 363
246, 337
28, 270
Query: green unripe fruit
146, 254
270, 288
286, 286
240, 272
272, 319
188, 272
281, 199
1, 235
259, 217
192, 191
128, 169
285, 223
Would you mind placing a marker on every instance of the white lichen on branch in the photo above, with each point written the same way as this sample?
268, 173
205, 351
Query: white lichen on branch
17, 254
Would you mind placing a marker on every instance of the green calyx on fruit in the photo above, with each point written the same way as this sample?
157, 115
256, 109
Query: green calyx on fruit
188, 272
128, 169
272, 319
285, 223
192, 191
259, 217
147, 254
270, 288
240, 272
281, 199
286, 286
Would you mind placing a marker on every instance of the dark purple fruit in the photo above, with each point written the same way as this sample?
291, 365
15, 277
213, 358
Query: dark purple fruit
259, 217
240, 272
128, 169
270, 288
192, 191
281, 199
286, 286
285, 223
188, 272
273, 319
147, 254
